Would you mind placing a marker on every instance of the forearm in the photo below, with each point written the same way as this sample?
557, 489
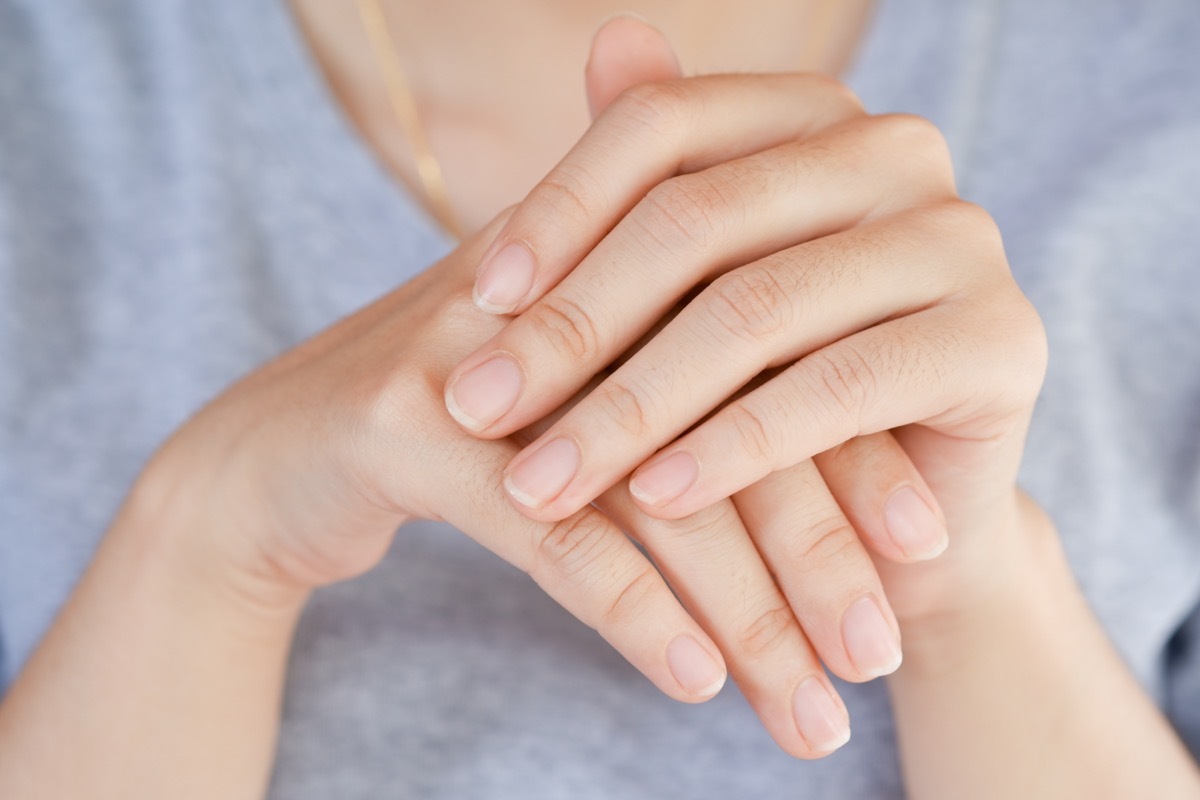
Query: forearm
1021, 694
158, 679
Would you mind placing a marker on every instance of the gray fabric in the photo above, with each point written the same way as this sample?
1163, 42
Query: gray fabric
179, 200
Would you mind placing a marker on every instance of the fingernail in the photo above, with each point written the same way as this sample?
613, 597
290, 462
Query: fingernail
504, 279
870, 641
820, 716
619, 14
542, 476
664, 480
914, 526
485, 393
695, 670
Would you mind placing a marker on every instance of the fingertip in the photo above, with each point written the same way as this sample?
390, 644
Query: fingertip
505, 278
540, 474
626, 50
665, 479
461, 417
821, 718
480, 396
916, 528
871, 638
699, 673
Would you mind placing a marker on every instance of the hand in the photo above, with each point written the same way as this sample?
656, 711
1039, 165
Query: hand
299, 475
824, 247
717, 561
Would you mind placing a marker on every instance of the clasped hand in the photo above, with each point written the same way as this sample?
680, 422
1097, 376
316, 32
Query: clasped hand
839, 324
845, 375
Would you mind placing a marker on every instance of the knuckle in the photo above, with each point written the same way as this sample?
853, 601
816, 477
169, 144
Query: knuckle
830, 86
568, 327
768, 632
629, 408
1025, 353
628, 607
913, 130
971, 240
457, 312
830, 544
382, 405
571, 191
845, 375
1036, 344
921, 142
973, 223
655, 109
567, 549
752, 432
750, 303
685, 213
705, 531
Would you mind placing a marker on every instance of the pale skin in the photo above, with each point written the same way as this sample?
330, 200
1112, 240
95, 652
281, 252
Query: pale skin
188, 609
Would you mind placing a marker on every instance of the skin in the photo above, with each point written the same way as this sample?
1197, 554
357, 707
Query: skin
189, 606
499, 125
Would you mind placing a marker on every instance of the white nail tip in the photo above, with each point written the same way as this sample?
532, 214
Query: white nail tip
462, 417
527, 500
489, 308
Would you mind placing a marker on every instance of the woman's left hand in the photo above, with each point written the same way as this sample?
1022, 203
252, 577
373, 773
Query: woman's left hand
831, 255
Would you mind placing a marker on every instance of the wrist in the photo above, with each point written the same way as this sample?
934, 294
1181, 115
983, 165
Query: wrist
160, 653
164, 533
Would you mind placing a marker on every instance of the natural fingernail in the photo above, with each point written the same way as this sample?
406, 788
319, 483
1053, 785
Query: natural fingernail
664, 480
695, 670
914, 526
505, 279
870, 641
820, 716
485, 393
543, 475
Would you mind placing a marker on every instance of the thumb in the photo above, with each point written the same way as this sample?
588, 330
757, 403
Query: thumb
626, 51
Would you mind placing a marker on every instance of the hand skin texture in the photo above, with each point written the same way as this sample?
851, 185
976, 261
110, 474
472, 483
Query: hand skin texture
161, 677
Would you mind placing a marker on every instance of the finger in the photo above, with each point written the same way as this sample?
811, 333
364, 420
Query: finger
687, 231
589, 567
885, 498
953, 368
765, 314
626, 51
824, 570
712, 564
650, 133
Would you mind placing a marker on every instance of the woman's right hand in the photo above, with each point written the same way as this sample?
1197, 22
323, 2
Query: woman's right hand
299, 475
